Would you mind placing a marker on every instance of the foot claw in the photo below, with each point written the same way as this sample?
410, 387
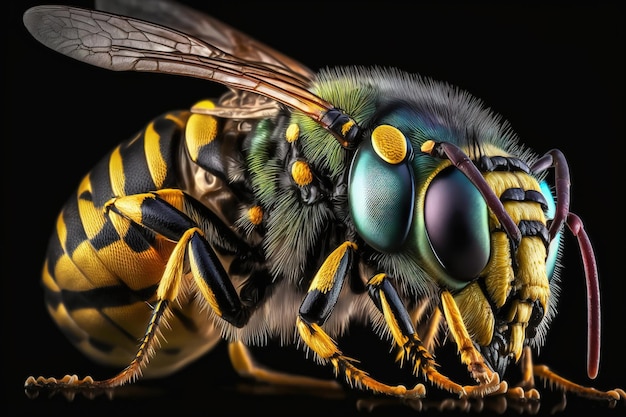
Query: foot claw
493, 387
68, 381
418, 391
68, 386
519, 393
618, 394
533, 394
516, 393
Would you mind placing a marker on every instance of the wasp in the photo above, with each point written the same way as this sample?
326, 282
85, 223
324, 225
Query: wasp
297, 203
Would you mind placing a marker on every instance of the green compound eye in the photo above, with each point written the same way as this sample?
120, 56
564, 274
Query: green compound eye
456, 219
381, 191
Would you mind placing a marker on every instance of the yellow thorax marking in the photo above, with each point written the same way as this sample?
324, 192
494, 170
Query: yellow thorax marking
255, 215
292, 133
301, 173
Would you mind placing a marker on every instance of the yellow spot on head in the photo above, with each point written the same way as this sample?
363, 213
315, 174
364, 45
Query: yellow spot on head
532, 279
389, 143
301, 173
292, 133
255, 215
427, 146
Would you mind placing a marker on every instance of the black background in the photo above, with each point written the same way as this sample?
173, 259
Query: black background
555, 72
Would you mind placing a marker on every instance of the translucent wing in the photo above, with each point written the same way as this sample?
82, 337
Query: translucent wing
123, 43
202, 26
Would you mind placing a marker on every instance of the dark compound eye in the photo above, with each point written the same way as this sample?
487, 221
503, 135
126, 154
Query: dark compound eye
456, 219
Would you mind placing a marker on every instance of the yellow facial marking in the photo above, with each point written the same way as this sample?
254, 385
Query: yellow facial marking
499, 181
519, 316
389, 143
532, 280
301, 173
255, 215
499, 274
292, 133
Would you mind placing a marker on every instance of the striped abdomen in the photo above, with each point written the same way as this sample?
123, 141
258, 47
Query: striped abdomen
101, 271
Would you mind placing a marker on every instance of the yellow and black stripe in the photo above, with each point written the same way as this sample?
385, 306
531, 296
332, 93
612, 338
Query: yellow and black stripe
102, 271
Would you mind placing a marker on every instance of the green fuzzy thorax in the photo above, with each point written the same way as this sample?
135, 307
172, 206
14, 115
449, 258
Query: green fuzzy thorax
263, 164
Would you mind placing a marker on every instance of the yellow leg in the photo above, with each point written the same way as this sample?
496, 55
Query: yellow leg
429, 338
566, 385
526, 387
245, 365
413, 350
326, 348
318, 304
489, 381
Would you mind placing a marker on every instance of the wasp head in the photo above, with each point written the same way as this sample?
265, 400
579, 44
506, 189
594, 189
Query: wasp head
481, 233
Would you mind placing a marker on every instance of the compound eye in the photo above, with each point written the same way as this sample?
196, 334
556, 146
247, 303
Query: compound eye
456, 219
381, 191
